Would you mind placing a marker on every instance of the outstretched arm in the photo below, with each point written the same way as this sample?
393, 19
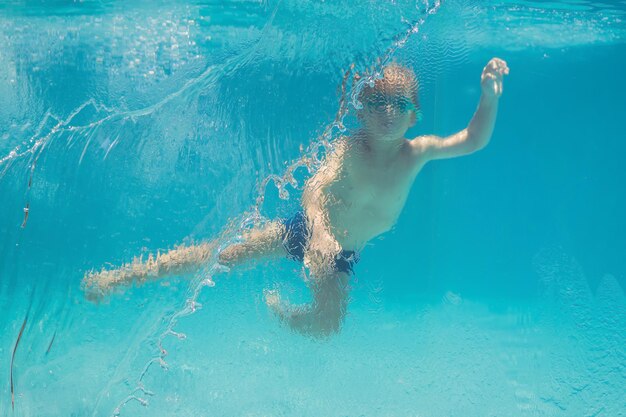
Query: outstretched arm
322, 249
478, 133
181, 260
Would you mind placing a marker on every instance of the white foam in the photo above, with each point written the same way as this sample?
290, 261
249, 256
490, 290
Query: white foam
522, 25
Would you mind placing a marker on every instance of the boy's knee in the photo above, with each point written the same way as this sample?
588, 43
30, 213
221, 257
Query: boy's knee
329, 323
229, 255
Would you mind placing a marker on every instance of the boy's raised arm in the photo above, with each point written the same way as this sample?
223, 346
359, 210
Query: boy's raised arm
478, 133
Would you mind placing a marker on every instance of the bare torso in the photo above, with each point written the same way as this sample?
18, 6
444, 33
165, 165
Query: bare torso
361, 192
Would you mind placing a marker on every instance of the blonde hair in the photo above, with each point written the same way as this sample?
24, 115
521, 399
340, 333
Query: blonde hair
396, 79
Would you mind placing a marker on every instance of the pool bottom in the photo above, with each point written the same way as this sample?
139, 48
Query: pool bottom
544, 357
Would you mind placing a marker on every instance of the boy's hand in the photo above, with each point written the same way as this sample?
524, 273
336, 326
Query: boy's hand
491, 78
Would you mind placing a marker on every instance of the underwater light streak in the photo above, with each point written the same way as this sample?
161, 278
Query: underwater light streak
17, 342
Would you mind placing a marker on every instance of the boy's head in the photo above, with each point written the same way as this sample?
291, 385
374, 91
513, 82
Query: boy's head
390, 106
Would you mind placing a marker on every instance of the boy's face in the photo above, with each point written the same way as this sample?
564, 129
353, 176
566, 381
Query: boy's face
388, 115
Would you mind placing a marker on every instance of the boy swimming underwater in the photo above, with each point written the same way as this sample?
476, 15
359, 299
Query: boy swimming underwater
357, 194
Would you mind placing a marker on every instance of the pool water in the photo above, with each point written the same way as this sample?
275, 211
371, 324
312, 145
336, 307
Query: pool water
131, 127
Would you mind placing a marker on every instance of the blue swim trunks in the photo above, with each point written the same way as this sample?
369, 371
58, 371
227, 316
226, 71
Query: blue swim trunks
297, 236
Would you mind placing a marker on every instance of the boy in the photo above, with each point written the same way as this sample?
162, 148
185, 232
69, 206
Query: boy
357, 194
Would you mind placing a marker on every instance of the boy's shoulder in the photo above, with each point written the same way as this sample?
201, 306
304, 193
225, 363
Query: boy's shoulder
419, 143
420, 146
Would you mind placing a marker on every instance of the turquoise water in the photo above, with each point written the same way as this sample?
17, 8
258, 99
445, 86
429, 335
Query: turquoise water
131, 127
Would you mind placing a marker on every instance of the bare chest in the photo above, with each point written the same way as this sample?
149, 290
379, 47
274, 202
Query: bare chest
367, 199
379, 188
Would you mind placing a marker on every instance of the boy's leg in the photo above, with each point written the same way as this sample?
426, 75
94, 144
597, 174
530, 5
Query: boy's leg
262, 243
178, 261
324, 315
257, 243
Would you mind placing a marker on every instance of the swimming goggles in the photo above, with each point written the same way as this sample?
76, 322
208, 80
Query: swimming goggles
400, 104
